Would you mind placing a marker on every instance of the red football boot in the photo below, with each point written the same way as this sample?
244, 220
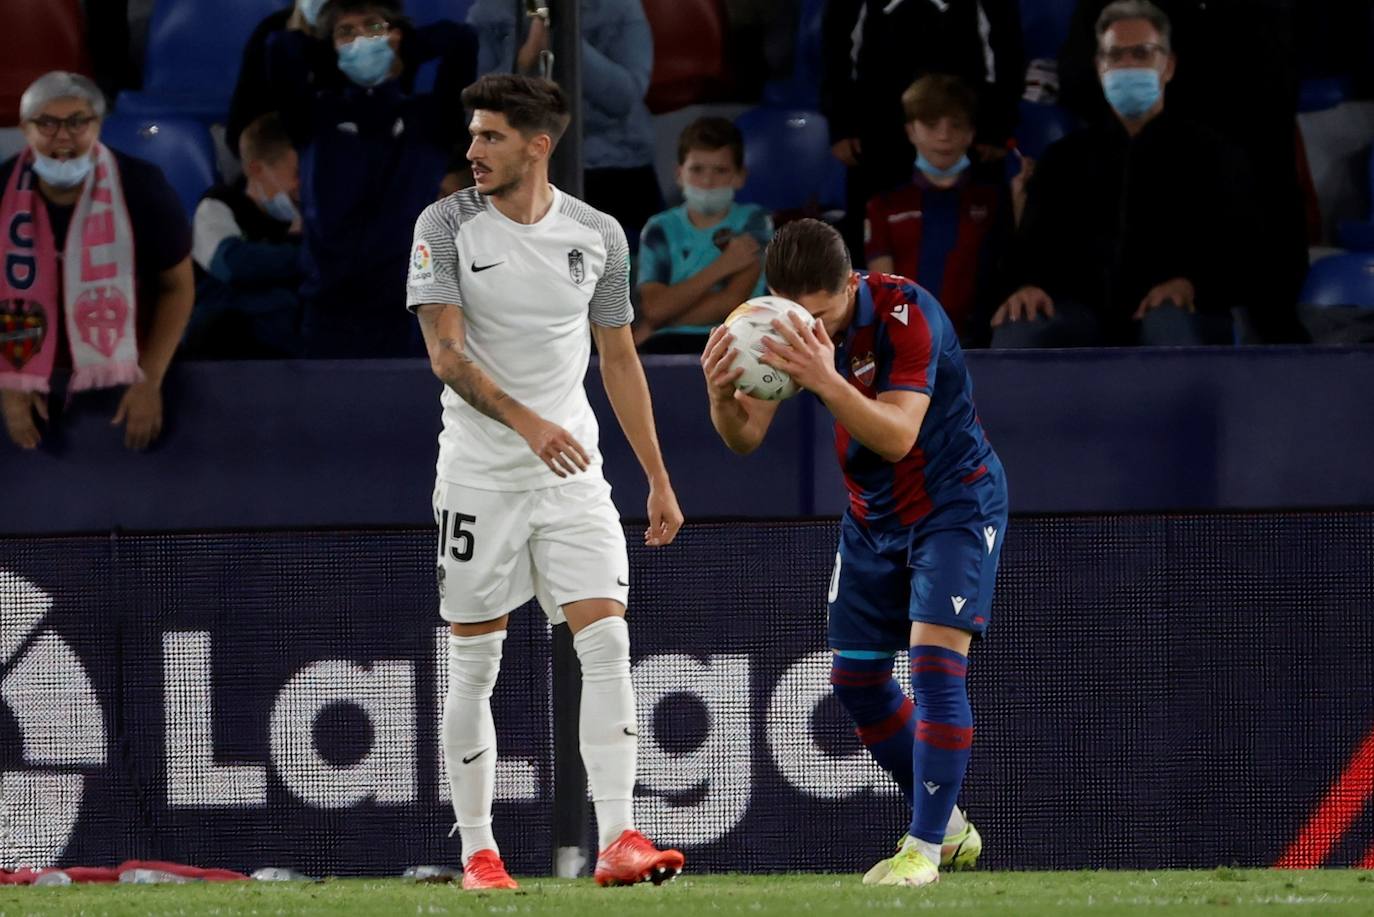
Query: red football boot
633, 859
486, 871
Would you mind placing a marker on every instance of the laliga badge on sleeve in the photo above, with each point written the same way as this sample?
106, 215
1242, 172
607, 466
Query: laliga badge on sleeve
421, 265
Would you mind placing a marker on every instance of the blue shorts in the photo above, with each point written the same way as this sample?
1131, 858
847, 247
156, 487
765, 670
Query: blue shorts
939, 571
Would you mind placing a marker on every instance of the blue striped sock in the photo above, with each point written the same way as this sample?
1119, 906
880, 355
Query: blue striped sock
882, 712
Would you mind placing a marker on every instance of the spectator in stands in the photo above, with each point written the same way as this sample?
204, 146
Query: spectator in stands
247, 254
254, 95
97, 260
946, 229
617, 130
376, 135
1237, 73
875, 49
1133, 227
700, 260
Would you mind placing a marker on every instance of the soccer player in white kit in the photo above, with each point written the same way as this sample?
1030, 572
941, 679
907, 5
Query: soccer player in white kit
511, 279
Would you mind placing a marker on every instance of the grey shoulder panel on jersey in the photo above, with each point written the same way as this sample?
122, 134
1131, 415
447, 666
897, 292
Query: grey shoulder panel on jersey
434, 269
610, 304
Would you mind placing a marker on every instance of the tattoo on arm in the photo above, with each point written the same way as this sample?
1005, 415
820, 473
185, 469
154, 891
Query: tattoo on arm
472, 385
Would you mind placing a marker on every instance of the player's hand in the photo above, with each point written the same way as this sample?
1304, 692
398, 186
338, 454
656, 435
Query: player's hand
19, 409
665, 517
717, 363
1026, 304
847, 151
740, 253
556, 446
808, 356
141, 411
1178, 291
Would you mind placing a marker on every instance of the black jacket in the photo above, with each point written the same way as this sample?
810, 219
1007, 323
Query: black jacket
1108, 217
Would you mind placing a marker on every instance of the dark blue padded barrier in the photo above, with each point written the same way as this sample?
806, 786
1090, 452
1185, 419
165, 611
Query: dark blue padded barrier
297, 444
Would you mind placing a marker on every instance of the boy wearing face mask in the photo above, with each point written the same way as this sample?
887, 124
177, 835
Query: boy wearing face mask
947, 228
247, 254
375, 130
700, 260
1136, 230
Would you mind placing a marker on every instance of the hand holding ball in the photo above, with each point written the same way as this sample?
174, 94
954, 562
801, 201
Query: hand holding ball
749, 324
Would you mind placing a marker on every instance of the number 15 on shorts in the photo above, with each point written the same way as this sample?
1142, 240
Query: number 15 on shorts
455, 536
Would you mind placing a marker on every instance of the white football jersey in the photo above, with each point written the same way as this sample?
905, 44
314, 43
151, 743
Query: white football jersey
527, 293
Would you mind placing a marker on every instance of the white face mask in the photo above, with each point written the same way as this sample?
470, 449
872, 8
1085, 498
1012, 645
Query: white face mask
709, 201
63, 173
310, 10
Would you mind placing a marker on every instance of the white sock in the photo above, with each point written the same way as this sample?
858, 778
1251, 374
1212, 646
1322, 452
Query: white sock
470, 736
931, 851
610, 737
957, 822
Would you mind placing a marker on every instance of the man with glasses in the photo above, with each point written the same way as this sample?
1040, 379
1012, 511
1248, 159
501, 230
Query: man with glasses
1133, 228
97, 268
375, 132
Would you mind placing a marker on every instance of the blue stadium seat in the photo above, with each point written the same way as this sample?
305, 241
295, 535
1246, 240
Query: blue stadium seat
1045, 25
182, 148
787, 153
1040, 126
1341, 280
1323, 93
194, 51
803, 88
423, 12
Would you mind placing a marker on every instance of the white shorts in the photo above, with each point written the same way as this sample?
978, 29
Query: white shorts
499, 549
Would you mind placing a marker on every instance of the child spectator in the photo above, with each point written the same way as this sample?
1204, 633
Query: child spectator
247, 254
946, 229
701, 259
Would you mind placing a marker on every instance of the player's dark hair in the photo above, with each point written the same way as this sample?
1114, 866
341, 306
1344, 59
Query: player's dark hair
939, 95
391, 10
711, 134
807, 256
532, 104
265, 139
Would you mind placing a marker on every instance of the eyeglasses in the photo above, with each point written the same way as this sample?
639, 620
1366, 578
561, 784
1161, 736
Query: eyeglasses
372, 28
1132, 54
76, 125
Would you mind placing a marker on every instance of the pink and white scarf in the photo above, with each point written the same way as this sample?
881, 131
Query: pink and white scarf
97, 286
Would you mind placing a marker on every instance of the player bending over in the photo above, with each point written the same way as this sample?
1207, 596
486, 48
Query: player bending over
920, 539
507, 277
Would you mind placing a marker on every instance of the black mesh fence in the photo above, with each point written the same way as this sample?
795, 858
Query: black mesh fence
1154, 691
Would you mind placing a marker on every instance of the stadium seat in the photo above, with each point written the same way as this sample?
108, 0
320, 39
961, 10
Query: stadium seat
1322, 94
182, 148
194, 51
1341, 280
689, 52
803, 88
423, 12
1040, 126
787, 153
41, 35
1044, 26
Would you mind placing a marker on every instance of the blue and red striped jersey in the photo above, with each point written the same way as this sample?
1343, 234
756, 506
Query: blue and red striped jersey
901, 340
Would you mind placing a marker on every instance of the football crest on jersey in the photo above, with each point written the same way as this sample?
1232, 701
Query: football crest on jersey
421, 265
577, 266
864, 368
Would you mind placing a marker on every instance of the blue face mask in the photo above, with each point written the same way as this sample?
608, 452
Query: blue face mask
709, 201
1132, 91
929, 168
281, 208
310, 10
367, 61
63, 173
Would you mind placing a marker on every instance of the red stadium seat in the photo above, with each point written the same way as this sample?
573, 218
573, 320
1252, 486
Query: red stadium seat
689, 52
42, 35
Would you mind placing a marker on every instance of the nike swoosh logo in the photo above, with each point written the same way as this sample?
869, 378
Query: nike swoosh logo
485, 267
631, 732
472, 758
620, 581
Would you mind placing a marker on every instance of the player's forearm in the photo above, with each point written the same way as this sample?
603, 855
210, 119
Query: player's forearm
628, 391
880, 427
457, 370
734, 424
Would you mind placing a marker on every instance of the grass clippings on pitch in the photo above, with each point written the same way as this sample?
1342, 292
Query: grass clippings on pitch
1024, 894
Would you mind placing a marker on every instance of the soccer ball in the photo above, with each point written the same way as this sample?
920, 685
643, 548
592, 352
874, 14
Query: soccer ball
750, 323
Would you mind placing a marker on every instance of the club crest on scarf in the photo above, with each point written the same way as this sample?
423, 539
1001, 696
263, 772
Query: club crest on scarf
101, 314
22, 331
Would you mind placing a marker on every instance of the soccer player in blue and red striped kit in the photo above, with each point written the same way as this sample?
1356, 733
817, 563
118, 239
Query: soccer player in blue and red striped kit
927, 515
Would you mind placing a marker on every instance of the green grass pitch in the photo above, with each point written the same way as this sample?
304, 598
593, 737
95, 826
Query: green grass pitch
1025, 894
